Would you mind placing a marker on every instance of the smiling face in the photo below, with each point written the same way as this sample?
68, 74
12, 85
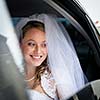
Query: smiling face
34, 47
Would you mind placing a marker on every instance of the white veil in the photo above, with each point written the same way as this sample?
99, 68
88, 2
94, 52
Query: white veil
62, 58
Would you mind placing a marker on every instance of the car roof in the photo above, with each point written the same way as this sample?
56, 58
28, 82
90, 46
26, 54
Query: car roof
20, 8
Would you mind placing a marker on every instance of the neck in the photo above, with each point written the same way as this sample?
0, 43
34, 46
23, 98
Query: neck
30, 71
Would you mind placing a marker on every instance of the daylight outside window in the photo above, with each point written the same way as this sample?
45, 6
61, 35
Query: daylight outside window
92, 7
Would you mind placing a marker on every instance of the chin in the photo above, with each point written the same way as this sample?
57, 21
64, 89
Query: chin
37, 64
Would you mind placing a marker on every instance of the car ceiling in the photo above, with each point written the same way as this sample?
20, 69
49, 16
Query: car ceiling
24, 8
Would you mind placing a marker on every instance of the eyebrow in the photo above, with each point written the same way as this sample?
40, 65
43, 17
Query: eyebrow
44, 41
29, 40
35, 41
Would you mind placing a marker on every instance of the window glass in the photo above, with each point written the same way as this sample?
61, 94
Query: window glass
84, 51
92, 7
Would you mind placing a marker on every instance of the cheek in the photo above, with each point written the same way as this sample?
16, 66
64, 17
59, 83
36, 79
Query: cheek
25, 49
46, 52
26, 53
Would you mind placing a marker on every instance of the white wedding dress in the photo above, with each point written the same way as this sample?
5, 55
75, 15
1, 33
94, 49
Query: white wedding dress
49, 87
35, 95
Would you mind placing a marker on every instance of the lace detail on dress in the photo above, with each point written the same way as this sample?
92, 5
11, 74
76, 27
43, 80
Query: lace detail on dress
48, 84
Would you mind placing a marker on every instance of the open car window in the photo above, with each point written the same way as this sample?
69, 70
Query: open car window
84, 37
83, 46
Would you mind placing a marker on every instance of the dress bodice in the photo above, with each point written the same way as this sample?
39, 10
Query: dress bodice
48, 85
35, 95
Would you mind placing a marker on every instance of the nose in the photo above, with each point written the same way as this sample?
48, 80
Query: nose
38, 49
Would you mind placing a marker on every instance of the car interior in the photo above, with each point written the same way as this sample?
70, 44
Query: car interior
86, 48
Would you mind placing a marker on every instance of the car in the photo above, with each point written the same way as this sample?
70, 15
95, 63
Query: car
79, 25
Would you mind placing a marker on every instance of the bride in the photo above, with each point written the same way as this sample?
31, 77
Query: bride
52, 70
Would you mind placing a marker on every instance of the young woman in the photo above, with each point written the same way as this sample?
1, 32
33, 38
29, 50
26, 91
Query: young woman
52, 68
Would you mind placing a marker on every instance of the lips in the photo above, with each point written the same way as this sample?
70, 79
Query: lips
35, 56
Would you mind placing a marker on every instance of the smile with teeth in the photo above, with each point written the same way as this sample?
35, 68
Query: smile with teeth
35, 57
